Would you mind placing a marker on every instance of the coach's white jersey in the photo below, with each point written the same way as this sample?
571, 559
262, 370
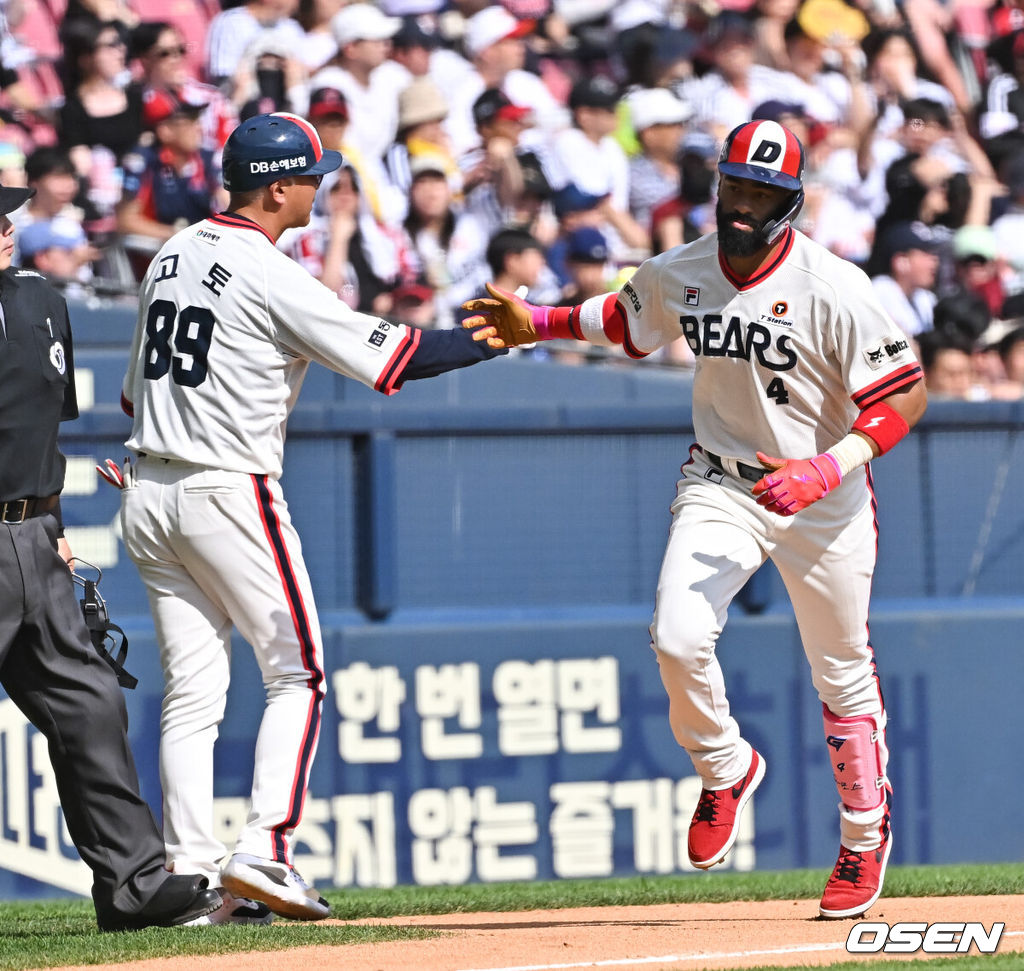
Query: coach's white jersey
785, 360
226, 330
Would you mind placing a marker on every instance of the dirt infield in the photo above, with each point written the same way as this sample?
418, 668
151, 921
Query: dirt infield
681, 937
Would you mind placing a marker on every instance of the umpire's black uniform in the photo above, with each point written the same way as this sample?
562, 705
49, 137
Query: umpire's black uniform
47, 662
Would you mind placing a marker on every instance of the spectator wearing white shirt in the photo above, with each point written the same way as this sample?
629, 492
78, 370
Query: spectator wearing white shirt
318, 45
416, 52
232, 31
442, 247
492, 175
493, 41
363, 35
329, 113
836, 97
906, 291
658, 118
588, 157
891, 72
726, 95
1009, 227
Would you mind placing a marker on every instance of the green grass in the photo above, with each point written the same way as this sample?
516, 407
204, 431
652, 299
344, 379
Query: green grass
55, 933
919, 881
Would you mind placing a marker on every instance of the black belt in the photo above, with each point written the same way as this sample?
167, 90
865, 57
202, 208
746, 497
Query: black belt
749, 472
18, 510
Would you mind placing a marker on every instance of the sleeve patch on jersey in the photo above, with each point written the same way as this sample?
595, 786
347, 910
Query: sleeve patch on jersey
887, 349
379, 336
632, 298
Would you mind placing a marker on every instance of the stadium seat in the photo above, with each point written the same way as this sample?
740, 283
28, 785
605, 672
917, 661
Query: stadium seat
38, 30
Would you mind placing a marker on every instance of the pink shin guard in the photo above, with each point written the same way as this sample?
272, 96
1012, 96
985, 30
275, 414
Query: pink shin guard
856, 746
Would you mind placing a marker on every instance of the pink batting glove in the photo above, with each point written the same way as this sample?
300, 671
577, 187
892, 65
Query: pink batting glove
793, 484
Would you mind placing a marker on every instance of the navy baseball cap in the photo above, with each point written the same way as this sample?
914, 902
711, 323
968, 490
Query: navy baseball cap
596, 91
572, 198
902, 237
775, 110
587, 245
266, 148
412, 34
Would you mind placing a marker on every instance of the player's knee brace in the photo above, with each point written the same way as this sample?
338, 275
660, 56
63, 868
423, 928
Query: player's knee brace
856, 747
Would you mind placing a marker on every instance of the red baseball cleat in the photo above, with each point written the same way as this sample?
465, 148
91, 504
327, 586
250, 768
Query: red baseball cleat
715, 822
856, 881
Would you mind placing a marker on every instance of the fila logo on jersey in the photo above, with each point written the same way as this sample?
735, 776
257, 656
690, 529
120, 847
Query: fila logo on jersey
712, 337
889, 347
691, 296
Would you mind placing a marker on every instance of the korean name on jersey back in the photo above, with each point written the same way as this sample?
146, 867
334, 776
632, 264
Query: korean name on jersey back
712, 337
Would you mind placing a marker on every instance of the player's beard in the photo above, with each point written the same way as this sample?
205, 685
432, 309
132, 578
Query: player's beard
736, 242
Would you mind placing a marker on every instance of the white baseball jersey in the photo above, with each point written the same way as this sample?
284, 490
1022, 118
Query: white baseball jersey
784, 360
227, 327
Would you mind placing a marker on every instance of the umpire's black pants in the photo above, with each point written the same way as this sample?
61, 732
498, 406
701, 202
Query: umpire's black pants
52, 673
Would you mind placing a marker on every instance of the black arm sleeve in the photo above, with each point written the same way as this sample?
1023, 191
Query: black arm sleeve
445, 350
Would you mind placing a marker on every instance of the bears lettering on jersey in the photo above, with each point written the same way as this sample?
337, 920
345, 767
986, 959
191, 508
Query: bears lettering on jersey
709, 337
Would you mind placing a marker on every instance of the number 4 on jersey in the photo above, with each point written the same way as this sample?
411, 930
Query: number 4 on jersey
777, 389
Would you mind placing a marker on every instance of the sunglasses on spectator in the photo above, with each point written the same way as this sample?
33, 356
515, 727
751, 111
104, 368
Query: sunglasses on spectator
111, 44
165, 52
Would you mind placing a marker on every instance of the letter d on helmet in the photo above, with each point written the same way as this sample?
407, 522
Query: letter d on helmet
266, 148
764, 151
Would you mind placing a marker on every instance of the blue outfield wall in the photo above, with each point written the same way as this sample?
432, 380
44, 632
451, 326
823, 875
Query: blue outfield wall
484, 549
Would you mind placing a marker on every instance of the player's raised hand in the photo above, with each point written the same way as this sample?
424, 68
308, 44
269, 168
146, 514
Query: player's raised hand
793, 484
507, 320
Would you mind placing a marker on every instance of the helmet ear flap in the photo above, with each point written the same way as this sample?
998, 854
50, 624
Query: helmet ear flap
789, 210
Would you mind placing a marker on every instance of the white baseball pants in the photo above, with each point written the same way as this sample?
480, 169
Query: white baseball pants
217, 549
825, 555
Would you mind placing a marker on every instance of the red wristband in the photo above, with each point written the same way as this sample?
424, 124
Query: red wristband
560, 323
882, 424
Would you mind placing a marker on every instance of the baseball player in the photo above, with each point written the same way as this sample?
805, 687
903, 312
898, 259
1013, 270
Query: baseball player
801, 380
227, 327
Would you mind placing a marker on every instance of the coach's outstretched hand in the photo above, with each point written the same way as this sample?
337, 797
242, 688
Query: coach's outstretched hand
506, 320
793, 484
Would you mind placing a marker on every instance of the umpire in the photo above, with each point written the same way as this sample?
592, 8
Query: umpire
48, 665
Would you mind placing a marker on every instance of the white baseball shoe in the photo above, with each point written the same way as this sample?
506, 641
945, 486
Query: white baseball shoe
277, 885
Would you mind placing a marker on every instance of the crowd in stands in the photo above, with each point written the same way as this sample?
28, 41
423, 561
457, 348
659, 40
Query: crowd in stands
552, 144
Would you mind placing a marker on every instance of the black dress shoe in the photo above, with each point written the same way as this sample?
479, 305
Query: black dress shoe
182, 897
